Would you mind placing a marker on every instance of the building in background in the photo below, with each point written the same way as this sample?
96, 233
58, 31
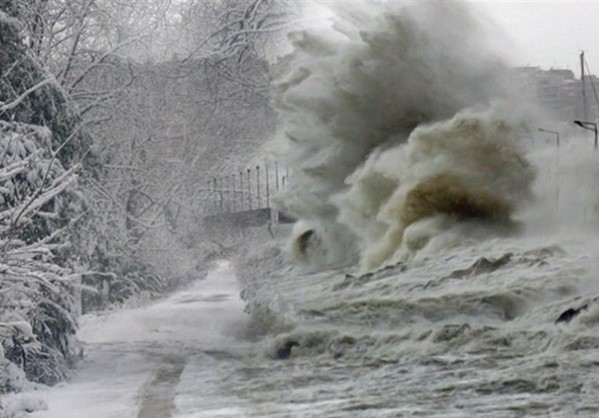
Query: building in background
560, 92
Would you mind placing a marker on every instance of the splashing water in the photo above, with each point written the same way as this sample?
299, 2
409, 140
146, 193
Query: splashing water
393, 116
466, 168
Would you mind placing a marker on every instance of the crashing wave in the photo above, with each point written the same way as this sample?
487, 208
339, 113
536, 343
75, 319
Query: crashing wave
392, 116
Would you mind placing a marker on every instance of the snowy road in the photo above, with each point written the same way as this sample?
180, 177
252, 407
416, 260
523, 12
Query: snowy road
161, 361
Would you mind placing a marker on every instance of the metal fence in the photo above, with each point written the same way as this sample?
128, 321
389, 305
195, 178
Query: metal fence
246, 190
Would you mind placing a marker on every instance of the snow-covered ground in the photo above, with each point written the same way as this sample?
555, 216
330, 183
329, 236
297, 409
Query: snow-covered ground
158, 361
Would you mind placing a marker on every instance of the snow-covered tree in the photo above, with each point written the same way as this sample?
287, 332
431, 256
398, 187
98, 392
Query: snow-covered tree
180, 121
40, 205
109, 132
37, 283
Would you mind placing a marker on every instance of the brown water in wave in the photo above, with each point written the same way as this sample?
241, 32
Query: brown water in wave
444, 194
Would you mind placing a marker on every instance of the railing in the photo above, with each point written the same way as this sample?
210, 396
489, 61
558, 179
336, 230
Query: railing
246, 196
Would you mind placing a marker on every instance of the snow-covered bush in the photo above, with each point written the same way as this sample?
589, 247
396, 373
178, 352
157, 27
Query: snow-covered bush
37, 288
11, 376
41, 147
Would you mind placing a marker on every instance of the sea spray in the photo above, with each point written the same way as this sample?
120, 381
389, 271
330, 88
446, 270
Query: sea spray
375, 128
467, 168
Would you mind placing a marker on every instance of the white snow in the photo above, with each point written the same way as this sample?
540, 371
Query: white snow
128, 352
21, 329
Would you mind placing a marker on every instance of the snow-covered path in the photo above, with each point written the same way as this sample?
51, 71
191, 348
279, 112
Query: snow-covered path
164, 360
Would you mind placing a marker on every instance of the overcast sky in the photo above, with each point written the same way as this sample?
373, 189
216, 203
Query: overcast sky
544, 33
548, 33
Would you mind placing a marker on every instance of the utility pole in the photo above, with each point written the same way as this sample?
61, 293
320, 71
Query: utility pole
584, 93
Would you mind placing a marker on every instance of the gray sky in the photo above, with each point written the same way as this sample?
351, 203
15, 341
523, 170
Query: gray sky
548, 33
544, 33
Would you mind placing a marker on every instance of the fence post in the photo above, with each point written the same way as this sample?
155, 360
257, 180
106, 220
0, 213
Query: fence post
227, 195
249, 190
233, 194
207, 196
259, 201
213, 194
241, 190
267, 186
220, 196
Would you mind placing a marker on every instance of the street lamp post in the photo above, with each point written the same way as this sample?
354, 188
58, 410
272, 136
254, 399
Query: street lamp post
557, 162
590, 126
551, 132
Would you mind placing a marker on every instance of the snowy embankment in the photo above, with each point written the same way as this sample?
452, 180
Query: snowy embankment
150, 361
